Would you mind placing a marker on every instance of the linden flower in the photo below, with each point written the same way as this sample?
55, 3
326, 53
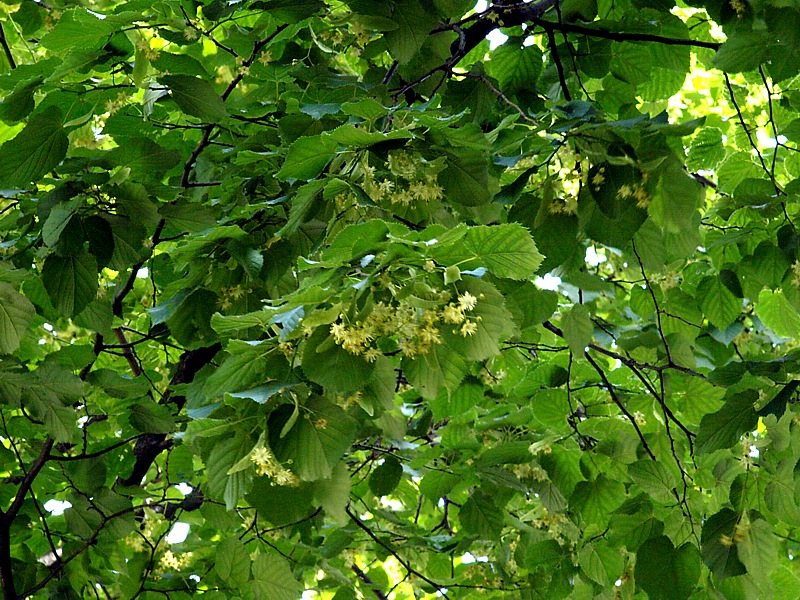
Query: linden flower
453, 314
625, 191
469, 328
598, 179
372, 355
642, 199
386, 186
796, 274
467, 301
338, 331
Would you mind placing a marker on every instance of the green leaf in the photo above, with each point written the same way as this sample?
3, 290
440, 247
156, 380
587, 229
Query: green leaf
596, 500
333, 367
333, 494
224, 455
239, 371
413, 28
273, 578
758, 550
719, 305
60, 422
78, 29
37, 149
119, 385
307, 157
578, 328
664, 572
481, 517
743, 51
16, 312
57, 221
723, 428
439, 368
706, 150
232, 562
263, 393
466, 178
195, 97
148, 417
316, 443
720, 552
493, 323
778, 314
654, 478
601, 562
504, 250
70, 281
386, 476
146, 160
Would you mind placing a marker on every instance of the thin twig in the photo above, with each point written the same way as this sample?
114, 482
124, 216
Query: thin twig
502, 96
749, 135
7, 48
618, 402
551, 42
360, 524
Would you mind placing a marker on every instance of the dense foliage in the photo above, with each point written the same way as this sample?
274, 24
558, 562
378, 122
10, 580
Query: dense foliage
375, 309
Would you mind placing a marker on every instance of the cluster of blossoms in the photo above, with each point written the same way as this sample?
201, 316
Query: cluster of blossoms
553, 524
796, 274
416, 330
636, 191
530, 471
170, 562
740, 532
267, 464
414, 180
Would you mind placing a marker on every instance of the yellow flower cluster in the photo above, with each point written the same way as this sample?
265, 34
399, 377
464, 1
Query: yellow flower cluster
267, 464
416, 330
170, 562
796, 274
530, 470
456, 314
350, 401
421, 176
637, 192
739, 535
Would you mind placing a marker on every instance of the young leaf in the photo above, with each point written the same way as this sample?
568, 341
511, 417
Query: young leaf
195, 97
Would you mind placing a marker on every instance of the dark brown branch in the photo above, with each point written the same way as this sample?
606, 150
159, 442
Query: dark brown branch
93, 454
372, 585
27, 481
209, 129
655, 302
360, 524
6, 573
7, 48
150, 445
119, 297
488, 83
127, 352
551, 42
619, 36
618, 402
749, 135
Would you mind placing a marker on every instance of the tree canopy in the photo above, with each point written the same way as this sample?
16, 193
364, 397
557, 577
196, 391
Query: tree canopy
342, 299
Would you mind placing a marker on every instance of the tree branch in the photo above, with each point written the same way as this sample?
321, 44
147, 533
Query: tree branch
620, 36
439, 588
7, 48
209, 129
372, 585
618, 402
